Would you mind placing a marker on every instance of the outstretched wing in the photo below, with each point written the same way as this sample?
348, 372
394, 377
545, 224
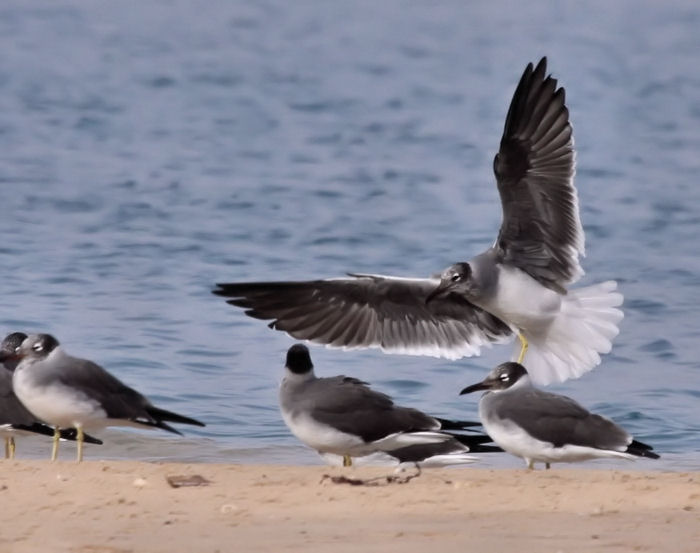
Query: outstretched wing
370, 311
541, 232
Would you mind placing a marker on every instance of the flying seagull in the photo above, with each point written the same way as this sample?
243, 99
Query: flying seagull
14, 417
343, 416
544, 427
68, 392
517, 286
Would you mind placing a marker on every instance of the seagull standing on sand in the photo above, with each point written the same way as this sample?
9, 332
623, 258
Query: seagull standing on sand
517, 286
68, 392
544, 427
14, 417
343, 416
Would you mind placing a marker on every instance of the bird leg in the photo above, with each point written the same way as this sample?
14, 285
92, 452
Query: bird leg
11, 447
79, 438
56, 437
7, 448
523, 348
347, 461
530, 464
547, 466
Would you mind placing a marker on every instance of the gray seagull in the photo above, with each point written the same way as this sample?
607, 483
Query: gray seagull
68, 392
518, 286
15, 419
343, 416
543, 427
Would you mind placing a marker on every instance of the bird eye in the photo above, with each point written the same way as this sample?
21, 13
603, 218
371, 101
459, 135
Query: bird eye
504, 377
456, 277
38, 347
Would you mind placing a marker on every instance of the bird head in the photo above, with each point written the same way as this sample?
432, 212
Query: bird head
9, 349
299, 359
501, 378
456, 278
37, 346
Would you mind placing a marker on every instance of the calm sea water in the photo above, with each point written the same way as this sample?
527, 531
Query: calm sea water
151, 149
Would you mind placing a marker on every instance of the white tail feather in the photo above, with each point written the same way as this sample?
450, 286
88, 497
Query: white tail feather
581, 331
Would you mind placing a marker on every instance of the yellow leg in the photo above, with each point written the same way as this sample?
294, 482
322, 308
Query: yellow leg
56, 437
523, 349
7, 448
347, 461
79, 438
12, 447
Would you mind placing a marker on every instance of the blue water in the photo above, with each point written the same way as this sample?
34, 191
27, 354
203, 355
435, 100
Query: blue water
151, 149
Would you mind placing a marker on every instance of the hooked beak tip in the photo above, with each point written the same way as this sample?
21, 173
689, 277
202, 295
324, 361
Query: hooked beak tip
435, 293
474, 388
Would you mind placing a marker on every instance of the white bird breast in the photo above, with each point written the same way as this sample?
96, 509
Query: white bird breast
59, 405
522, 301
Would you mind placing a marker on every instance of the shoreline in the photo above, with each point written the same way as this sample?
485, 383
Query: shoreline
128, 506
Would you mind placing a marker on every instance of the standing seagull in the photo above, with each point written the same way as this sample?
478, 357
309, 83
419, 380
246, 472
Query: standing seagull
14, 417
545, 427
517, 286
343, 416
68, 392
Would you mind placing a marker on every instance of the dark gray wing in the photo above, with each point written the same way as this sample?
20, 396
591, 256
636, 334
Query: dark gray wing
370, 311
351, 406
560, 421
116, 398
541, 232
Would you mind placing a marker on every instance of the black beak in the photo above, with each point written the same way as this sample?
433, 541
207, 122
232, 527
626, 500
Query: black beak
442, 287
484, 385
7, 356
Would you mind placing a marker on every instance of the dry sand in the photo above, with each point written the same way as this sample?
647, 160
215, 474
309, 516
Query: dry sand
124, 506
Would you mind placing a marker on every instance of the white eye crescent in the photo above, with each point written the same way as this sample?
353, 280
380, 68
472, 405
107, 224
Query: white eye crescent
504, 377
455, 277
38, 347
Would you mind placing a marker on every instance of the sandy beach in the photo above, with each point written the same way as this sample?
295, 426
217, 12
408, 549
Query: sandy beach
125, 506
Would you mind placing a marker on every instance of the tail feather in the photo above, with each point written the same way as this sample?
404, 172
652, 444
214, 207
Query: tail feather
443, 453
583, 330
447, 424
475, 444
161, 416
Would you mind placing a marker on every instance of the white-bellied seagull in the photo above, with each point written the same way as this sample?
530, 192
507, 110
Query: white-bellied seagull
517, 286
15, 419
343, 416
68, 392
544, 427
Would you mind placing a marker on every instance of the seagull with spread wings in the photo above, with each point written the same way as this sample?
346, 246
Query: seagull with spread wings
518, 286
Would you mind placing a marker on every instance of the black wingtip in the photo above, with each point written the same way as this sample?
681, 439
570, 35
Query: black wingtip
476, 444
71, 434
161, 416
447, 424
642, 450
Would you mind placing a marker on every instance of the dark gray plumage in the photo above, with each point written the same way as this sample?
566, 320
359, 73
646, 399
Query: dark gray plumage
343, 416
480, 302
370, 311
542, 426
541, 232
66, 391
